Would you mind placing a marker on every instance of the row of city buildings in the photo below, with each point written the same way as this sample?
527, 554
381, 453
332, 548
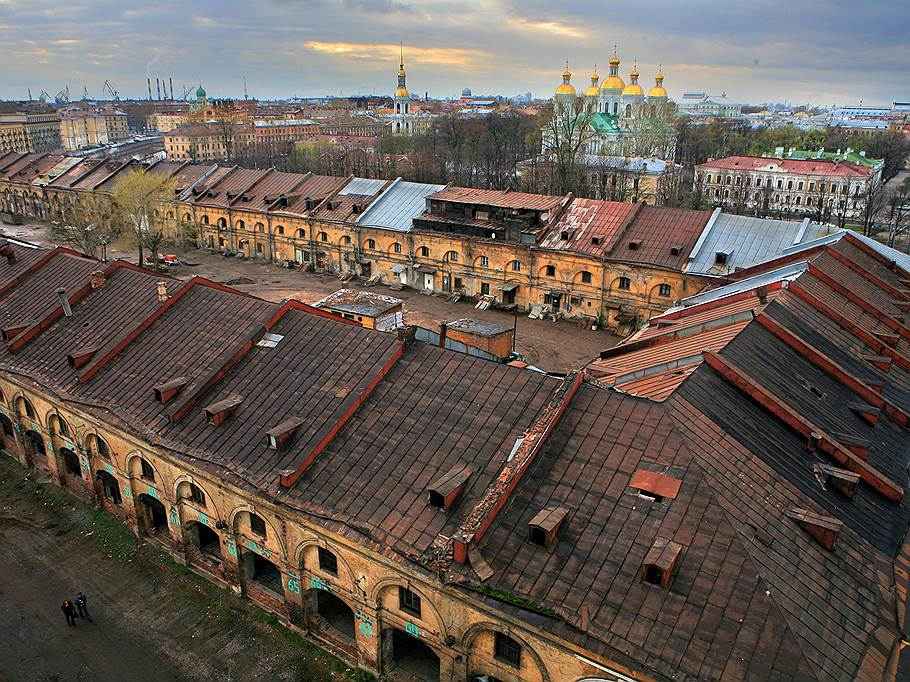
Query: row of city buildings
721, 497
69, 129
609, 262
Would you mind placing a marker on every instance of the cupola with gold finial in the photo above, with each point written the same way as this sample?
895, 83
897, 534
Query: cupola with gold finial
633, 89
566, 88
658, 89
613, 81
402, 90
593, 90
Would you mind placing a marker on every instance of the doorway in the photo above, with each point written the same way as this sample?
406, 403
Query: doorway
152, 517
428, 281
407, 654
263, 572
333, 611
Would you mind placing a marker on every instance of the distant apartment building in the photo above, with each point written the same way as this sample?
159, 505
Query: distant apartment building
166, 121
703, 104
284, 131
825, 186
24, 131
81, 128
208, 141
343, 122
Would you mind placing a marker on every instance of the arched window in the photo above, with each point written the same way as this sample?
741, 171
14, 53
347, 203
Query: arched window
371, 243
241, 225
323, 237
301, 234
257, 524
708, 178
328, 562
59, 427
205, 220
515, 266
396, 247
585, 277
663, 290
452, 256
346, 240
146, 472
280, 229
625, 283
187, 218
222, 222
111, 487
425, 251
24, 407
196, 495
260, 227
96, 445
628, 111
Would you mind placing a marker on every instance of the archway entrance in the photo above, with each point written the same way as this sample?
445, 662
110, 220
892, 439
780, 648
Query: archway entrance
110, 487
408, 656
332, 610
8, 434
71, 468
34, 446
152, 516
263, 572
204, 540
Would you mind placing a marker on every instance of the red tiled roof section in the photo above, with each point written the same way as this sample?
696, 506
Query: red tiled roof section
660, 236
799, 166
316, 187
586, 220
499, 198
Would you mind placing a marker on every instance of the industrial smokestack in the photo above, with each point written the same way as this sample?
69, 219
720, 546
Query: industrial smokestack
158, 85
172, 87
64, 301
150, 88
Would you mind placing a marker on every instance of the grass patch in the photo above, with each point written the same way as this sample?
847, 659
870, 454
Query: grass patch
513, 599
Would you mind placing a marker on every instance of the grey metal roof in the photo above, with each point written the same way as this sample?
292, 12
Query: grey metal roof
749, 241
396, 208
363, 186
788, 272
899, 257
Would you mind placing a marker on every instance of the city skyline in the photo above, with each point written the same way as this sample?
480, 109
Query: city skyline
345, 47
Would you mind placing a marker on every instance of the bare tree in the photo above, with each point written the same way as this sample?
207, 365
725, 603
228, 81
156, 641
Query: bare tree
87, 225
137, 198
565, 137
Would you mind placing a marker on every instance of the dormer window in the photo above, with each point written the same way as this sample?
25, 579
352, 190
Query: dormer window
445, 490
660, 562
542, 529
218, 412
279, 435
635, 245
166, 391
81, 357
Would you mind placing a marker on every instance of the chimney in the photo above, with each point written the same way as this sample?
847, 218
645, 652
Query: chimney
443, 329
64, 302
762, 293
158, 87
9, 252
150, 87
161, 290
171, 80
98, 279
407, 334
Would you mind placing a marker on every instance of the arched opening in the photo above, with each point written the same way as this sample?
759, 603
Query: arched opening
71, 468
34, 444
152, 515
7, 432
407, 654
336, 614
204, 539
110, 487
222, 223
58, 426
96, 445
263, 572
24, 408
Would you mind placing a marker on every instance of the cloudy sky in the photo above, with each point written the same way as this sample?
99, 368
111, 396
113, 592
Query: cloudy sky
818, 51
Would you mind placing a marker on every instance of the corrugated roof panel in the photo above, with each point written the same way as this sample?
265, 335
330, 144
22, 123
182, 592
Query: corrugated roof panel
363, 186
400, 204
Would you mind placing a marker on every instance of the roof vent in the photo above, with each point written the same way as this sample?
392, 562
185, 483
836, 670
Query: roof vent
247, 198
333, 204
660, 562
595, 241
882, 362
64, 302
865, 412
674, 250
565, 235
635, 245
445, 490
843, 480
654, 486
217, 412
161, 291
823, 528
542, 529
277, 436
12, 331
80, 357
310, 203
357, 209
165, 392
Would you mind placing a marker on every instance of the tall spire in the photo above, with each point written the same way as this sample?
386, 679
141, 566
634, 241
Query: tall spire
402, 90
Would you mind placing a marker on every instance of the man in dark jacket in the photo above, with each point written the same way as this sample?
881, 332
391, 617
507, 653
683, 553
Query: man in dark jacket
69, 611
79, 601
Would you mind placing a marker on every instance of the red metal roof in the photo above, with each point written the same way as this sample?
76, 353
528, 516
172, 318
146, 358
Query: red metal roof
498, 197
586, 220
798, 166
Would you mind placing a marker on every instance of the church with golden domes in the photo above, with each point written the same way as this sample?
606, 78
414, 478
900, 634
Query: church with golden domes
611, 107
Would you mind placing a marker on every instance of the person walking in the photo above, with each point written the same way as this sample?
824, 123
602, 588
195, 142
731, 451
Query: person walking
69, 611
80, 603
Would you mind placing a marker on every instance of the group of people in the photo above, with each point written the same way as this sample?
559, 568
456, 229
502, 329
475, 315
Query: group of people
75, 607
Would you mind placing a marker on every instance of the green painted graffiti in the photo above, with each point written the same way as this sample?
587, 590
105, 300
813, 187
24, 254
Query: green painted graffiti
318, 584
412, 629
294, 583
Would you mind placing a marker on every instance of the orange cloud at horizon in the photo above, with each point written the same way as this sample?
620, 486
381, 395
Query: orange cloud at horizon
446, 56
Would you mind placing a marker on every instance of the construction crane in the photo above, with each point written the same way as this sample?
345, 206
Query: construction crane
109, 89
44, 96
84, 92
186, 92
63, 96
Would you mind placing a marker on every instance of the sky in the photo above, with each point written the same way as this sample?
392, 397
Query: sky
821, 52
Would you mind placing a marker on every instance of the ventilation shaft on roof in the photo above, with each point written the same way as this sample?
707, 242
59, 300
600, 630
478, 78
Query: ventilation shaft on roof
278, 435
542, 529
165, 391
98, 279
445, 490
64, 302
660, 562
218, 412
8, 252
161, 291
823, 528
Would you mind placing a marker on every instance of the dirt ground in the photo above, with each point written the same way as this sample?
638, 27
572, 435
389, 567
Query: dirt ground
551, 346
154, 621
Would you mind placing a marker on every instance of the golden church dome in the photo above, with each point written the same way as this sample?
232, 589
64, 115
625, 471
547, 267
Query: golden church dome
612, 83
593, 90
633, 89
566, 88
658, 89
402, 92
